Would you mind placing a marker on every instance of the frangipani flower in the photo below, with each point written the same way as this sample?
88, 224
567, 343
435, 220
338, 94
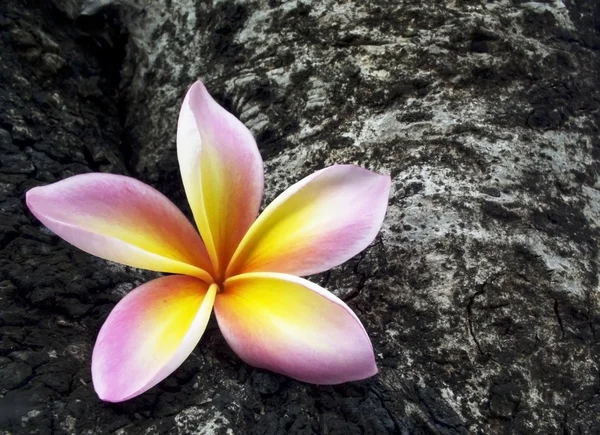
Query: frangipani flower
244, 267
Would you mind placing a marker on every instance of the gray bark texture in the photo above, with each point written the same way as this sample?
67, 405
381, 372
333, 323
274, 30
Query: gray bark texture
481, 294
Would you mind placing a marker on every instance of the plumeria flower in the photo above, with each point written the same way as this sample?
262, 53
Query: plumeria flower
246, 268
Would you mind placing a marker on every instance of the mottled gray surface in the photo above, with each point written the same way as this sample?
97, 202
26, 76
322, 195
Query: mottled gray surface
481, 293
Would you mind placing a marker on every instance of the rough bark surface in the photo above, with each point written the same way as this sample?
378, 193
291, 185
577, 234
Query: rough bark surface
481, 294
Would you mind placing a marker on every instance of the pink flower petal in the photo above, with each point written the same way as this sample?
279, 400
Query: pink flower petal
319, 222
222, 173
149, 334
291, 326
121, 219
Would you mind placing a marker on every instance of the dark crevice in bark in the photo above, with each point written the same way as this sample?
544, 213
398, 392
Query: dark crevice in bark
558, 318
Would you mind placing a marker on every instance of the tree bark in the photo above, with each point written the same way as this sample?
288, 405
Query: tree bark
480, 294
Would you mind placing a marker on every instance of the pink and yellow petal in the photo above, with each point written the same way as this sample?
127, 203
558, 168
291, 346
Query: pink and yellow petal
121, 219
222, 173
149, 334
291, 326
319, 222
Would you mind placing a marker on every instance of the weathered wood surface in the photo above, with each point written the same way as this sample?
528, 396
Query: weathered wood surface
481, 293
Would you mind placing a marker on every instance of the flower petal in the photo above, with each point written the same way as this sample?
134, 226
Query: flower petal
319, 222
121, 219
222, 173
149, 334
291, 326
